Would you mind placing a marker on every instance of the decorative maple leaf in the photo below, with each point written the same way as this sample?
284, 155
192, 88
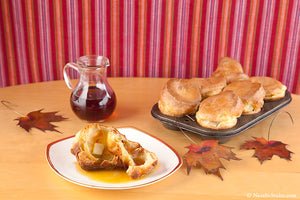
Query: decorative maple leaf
264, 150
207, 155
40, 120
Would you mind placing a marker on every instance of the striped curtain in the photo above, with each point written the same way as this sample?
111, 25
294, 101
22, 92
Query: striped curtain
150, 38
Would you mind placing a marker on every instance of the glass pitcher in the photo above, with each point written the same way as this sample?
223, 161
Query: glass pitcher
92, 99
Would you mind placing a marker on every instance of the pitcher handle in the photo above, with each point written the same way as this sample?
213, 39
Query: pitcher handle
66, 75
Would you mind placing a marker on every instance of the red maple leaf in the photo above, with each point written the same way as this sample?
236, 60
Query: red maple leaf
264, 150
40, 120
208, 155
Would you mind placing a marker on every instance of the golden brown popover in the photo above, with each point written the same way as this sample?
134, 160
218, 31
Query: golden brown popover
251, 94
275, 90
231, 69
210, 86
220, 111
99, 147
179, 97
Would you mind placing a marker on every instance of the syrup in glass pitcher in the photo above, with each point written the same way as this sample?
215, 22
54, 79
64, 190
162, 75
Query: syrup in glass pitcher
92, 99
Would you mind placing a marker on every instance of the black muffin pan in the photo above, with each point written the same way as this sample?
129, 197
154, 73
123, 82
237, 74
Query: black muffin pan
190, 124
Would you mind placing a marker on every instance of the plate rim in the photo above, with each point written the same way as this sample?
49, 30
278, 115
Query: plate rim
178, 165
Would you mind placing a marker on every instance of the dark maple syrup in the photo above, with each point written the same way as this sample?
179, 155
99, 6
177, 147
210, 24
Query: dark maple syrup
93, 105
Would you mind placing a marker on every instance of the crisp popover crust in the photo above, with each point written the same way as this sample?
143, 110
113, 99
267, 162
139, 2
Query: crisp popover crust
252, 95
220, 111
103, 147
179, 97
210, 86
230, 69
275, 90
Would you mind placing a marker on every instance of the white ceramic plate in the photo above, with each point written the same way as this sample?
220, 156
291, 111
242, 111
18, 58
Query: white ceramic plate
63, 162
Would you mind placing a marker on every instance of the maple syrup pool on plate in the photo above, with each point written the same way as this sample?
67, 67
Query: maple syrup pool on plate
109, 176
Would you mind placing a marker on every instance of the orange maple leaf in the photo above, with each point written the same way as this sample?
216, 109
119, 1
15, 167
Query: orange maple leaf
40, 120
264, 150
208, 155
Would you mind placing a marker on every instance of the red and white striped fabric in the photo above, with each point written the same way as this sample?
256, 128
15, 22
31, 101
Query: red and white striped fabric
150, 38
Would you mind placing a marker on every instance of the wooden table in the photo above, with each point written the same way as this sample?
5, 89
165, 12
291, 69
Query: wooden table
25, 173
